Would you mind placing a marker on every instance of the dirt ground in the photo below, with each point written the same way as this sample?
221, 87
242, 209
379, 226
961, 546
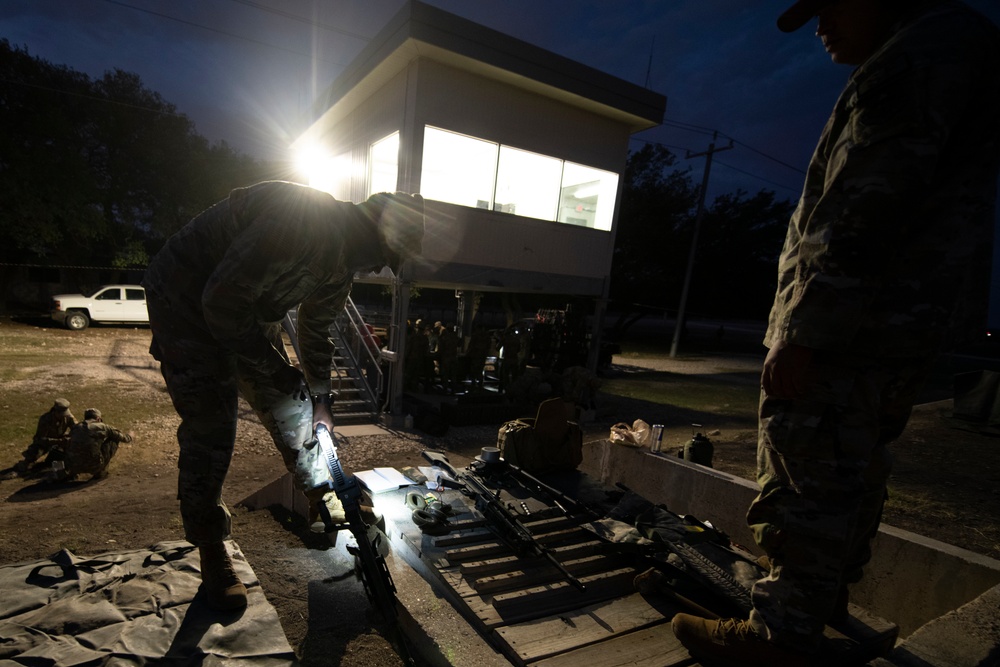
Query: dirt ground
945, 483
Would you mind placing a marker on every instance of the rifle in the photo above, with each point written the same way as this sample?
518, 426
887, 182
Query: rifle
374, 572
721, 581
499, 520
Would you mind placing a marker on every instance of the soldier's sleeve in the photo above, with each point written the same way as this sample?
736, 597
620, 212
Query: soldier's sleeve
255, 259
315, 316
872, 195
118, 436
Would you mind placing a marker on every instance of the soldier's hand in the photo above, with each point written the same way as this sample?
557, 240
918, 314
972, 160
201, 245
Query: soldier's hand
290, 381
784, 373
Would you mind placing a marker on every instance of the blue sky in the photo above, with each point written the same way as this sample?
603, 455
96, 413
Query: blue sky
247, 71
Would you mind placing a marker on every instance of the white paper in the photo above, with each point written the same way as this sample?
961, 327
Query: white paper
381, 480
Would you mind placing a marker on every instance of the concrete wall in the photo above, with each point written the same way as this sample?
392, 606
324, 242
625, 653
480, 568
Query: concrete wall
910, 581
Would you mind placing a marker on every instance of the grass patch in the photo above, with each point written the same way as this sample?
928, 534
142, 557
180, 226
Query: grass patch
727, 399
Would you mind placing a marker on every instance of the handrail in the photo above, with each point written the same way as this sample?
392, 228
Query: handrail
351, 336
358, 351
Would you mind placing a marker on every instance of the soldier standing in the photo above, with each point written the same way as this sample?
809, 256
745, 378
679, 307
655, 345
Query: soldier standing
884, 247
92, 445
216, 295
447, 356
51, 436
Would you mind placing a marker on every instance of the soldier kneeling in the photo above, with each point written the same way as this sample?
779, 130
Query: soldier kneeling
92, 445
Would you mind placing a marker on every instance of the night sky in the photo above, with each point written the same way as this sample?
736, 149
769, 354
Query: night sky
247, 71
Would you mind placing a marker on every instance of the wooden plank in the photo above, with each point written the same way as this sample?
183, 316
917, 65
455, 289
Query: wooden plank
559, 597
541, 571
491, 566
650, 647
479, 607
477, 552
543, 638
494, 548
454, 539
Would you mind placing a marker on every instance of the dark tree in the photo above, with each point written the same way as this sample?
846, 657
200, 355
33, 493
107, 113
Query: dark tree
99, 172
735, 263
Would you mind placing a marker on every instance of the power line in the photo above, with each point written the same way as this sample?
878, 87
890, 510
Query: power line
760, 178
728, 166
770, 157
707, 130
219, 31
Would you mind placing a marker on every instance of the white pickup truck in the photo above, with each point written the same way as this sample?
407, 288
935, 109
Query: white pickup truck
110, 303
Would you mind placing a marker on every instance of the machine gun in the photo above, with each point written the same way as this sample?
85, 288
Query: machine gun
373, 569
499, 520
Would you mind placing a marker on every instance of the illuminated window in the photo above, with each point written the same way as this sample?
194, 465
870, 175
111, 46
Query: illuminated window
458, 169
587, 196
527, 184
467, 171
384, 164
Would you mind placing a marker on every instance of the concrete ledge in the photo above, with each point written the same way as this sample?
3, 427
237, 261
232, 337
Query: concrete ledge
911, 580
966, 637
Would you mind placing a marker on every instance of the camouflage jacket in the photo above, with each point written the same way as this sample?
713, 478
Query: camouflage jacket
266, 249
898, 203
54, 428
85, 444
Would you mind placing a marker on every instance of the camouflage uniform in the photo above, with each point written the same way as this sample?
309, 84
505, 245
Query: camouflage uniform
896, 212
92, 445
216, 295
51, 435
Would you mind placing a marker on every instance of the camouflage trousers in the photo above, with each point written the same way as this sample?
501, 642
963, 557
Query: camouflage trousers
822, 467
90, 459
204, 381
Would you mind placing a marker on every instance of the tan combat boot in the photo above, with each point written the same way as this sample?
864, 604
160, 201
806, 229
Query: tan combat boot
223, 589
733, 642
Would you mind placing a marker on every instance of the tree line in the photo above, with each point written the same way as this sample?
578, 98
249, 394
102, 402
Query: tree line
735, 268
99, 171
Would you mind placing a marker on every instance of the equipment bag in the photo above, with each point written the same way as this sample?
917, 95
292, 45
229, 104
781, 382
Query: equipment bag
545, 444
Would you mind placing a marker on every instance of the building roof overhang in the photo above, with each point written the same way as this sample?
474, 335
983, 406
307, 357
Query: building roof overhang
421, 31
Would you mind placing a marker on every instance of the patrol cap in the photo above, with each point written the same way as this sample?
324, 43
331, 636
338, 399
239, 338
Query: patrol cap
401, 227
61, 405
91, 413
800, 13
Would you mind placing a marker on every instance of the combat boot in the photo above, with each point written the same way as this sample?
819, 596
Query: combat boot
733, 642
333, 506
223, 589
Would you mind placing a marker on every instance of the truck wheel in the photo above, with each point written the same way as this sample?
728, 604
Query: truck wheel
77, 320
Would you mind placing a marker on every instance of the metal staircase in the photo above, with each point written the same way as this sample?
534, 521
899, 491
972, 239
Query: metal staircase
357, 377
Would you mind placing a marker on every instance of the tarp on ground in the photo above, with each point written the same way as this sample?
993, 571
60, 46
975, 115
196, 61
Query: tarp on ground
132, 608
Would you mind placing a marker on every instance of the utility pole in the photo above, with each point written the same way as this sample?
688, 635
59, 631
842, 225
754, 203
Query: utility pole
694, 239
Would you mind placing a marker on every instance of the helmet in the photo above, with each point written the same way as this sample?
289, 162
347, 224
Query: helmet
401, 227
91, 413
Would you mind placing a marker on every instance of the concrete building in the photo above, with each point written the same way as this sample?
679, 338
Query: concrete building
517, 151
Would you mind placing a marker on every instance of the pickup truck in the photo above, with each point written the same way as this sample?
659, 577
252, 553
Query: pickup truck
110, 303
